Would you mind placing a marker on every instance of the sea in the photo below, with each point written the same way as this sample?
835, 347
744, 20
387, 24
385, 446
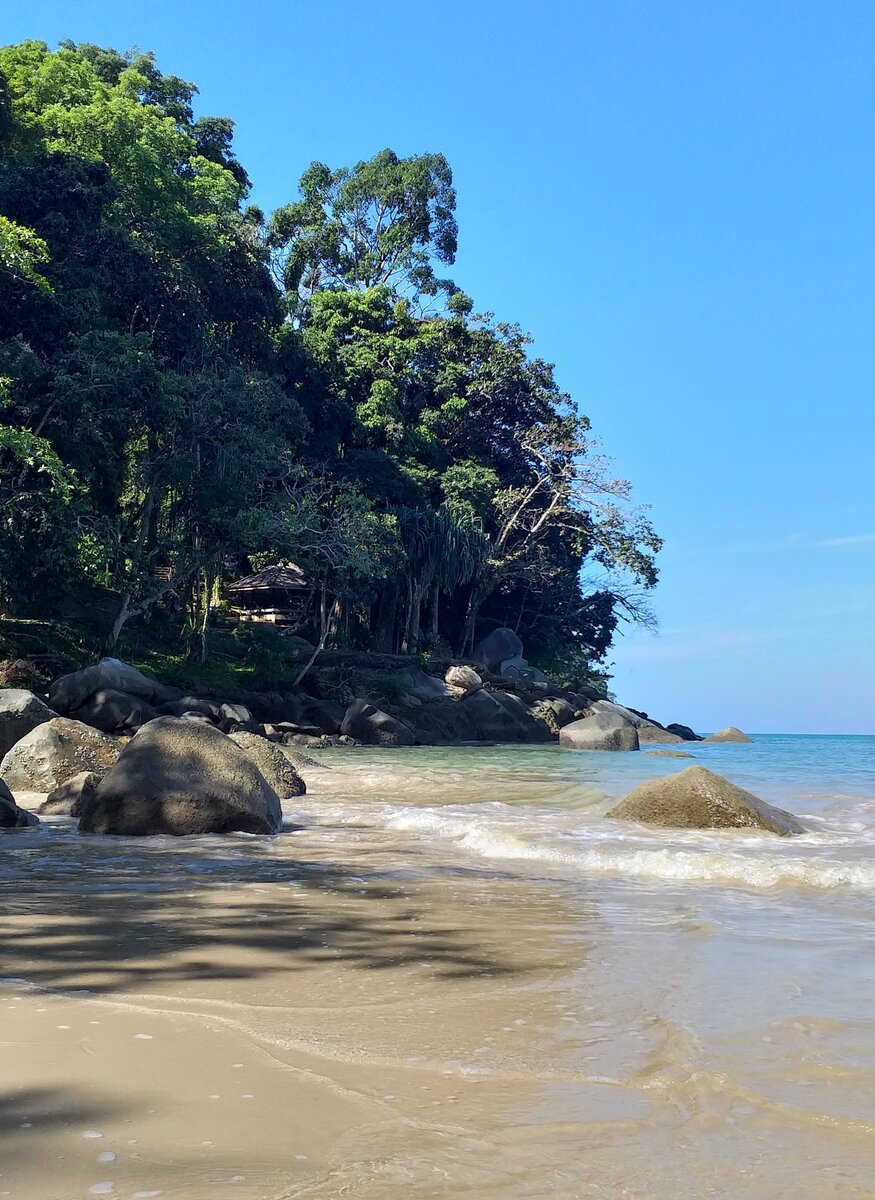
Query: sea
453, 975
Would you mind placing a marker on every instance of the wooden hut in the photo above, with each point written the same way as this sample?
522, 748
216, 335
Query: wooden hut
276, 595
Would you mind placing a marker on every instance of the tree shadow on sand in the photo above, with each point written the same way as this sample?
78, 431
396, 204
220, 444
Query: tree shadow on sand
112, 914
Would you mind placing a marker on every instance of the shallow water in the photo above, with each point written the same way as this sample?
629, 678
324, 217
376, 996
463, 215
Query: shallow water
458, 978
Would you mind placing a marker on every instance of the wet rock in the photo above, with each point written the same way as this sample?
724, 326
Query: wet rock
177, 777
600, 731
112, 711
373, 727
20, 712
67, 800
668, 754
729, 734
275, 766
54, 752
698, 799
110, 674
11, 816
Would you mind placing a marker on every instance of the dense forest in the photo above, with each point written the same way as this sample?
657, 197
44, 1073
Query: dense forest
191, 388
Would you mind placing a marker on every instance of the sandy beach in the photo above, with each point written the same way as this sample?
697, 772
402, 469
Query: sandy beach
351, 1009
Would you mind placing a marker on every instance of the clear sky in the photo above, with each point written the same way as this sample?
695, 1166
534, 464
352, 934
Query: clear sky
676, 199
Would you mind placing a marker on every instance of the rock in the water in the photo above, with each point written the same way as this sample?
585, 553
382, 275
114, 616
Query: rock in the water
653, 735
67, 800
177, 777
698, 799
111, 674
275, 766
668, 754
11, 816
729, 734
684, 732
373, 727
464, 678
496, 648
600, 731
20, 711
112, 711
54, 752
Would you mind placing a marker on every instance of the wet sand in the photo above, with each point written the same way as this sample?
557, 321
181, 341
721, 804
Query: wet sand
348, 1010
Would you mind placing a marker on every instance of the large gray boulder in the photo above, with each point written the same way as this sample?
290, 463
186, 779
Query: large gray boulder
729, 734
649, 732
112, 711
698, 799
373, 727
501, 717
20, 711
110, 674
11, 816
67, 800
54, 752
275, 766
600, 731
425, 687
177, 777
555, 714
497, 647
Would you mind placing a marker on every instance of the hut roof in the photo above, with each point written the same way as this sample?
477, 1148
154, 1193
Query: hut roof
283, 576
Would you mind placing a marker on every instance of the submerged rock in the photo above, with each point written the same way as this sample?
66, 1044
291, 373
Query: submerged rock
668, 754
600, 731
177, 777
729, 734
67, 800
698, 799
20, 712
54, 752
275, 766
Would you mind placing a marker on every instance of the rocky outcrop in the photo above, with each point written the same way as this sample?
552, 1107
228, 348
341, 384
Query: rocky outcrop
20, 712
112, 711
67, 800
11, 816
729, 734
497, 647
110, 674
684, 732
54, 752
649, 732
176, 777
465, 679
555, 714
274, 765
698, 799
600, 731
500, 717
373, 727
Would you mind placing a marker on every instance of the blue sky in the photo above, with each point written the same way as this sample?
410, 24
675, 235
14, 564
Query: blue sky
676, 199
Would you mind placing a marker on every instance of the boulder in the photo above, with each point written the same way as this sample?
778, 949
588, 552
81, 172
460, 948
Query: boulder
178, 777
684, 732
501, 717
729, 734
110, 674
20, 711
235, 712
600, 731
111, 711
67, 800
649, 732
326, 715
464, 678
423, 687
555, 714
11, 816
373, 727
54, 752
654, 735
275, 766
518, 668
696, 798
497, 647
189, 704
668, 754
193, 715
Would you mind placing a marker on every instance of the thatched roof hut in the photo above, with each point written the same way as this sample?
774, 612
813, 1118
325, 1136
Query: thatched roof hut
278, 595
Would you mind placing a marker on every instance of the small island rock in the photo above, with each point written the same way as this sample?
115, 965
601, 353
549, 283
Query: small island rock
696, 798
729, 734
